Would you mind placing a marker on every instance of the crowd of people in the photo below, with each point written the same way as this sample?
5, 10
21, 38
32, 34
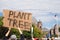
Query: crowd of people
13, 37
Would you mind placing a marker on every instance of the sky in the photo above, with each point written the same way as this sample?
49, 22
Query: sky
43, 10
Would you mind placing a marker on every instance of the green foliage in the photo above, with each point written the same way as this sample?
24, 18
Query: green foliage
3, 31
1, 18
15, 31
1, 22
54, 35
37, 32
27, 34
59, 29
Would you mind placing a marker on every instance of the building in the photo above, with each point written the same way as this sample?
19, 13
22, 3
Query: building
34, 21
56, 30
39, 24
45, 32
51, 31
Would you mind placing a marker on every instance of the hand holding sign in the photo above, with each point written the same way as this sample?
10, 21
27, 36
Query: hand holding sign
8, 32
20, 30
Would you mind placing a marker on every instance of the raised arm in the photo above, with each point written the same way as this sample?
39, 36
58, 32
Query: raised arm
20, 30
8, 32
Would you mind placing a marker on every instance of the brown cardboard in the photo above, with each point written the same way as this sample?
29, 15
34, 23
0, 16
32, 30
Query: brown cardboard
15, 19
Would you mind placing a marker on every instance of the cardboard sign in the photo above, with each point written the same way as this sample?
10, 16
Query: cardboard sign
15, 19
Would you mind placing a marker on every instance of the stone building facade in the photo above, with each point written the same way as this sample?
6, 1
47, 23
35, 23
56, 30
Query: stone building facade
55, 30
39, 24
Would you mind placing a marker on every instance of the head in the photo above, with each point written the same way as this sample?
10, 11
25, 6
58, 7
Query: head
13, 37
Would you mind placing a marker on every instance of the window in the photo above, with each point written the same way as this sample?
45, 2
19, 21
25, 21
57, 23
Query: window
59, 29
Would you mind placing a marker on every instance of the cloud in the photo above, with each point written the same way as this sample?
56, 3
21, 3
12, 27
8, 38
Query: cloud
43, 5
45, 19
40, 9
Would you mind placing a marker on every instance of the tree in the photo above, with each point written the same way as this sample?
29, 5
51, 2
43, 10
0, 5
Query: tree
1, 22
37, 32
27, 34
3, 31
54, 35
15, 32
59, 29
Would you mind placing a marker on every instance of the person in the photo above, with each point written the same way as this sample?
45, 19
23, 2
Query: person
21, 37
52, 38
5, 37
47, 38
21, 34
13, 37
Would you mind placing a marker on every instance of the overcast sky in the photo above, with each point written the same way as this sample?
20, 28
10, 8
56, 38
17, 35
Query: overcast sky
43, 10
